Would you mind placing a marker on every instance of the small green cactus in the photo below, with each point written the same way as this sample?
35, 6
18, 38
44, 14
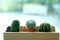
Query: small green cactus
45, 27
8, 29
30, 24
15, 26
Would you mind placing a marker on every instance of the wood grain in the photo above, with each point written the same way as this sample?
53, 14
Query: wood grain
31, 36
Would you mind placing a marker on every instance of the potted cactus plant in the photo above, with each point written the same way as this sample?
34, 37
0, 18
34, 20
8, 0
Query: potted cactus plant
45, 27
15, 26
30, 24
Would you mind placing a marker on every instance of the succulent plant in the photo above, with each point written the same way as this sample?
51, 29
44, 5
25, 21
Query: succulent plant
8, 29
45, 27
15, 26
30, 24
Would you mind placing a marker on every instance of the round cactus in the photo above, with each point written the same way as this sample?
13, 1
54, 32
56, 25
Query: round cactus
30, 24
8, 29
15, 26
45, 27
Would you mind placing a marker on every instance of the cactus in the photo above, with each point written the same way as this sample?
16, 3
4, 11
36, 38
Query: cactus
8, 29
15, 26
30, 24
45, 27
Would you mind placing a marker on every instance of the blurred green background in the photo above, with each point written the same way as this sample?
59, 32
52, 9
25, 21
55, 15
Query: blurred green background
17, 5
